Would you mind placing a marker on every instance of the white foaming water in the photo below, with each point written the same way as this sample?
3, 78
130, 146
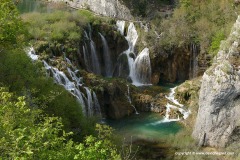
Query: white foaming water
140, 68
72, 86
31, 53
121, 26
174, 105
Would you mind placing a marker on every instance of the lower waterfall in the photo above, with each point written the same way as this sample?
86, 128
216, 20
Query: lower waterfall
130, 100
176, 106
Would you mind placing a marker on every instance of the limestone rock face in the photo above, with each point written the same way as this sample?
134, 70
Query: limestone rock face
110, 8
218, 122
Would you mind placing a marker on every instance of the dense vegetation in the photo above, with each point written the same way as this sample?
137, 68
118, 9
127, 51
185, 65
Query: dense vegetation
39, 119
36, 114
205, 23
26, 133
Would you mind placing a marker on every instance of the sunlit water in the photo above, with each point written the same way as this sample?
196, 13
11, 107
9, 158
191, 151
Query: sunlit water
144, 126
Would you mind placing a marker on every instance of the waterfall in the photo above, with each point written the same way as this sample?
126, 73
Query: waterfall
63, 80
90, 104
130, 100
96, 104
89, 101
121, 26
31, 53
85, 56
91, 61
94, 58
93, 104
107, 57
140, 68
176, 106
131, 37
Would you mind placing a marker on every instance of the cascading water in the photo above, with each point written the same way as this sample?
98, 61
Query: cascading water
140, 68
85, 56
94, 58
141, 71
89, 101
130, 100
93, 104
121, 26
107, 57
176, 106
96, 104
63, 80
90, 104
91, 61
31, 53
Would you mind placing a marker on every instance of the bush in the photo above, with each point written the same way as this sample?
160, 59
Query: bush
28, 134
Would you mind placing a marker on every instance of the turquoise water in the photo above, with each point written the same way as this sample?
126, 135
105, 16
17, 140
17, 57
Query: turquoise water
144, 126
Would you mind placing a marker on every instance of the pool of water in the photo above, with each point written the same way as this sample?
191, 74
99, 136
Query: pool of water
144, 126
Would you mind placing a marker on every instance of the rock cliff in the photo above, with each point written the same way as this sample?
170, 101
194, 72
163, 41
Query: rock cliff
217, 122
110, 8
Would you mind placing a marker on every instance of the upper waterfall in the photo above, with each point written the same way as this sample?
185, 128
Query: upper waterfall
140, 65
121, 26
141, 70
131, 37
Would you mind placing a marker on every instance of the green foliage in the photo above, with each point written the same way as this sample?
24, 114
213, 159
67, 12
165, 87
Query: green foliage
215, 43
100, 147
197, 21
27, 134
11, 26
57, 26
26, 78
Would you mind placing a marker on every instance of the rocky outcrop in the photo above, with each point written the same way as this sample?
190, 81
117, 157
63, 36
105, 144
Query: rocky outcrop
110, 8
217, 122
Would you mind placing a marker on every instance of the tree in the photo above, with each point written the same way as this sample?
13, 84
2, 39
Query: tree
100, 147
11, 25
25, 133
